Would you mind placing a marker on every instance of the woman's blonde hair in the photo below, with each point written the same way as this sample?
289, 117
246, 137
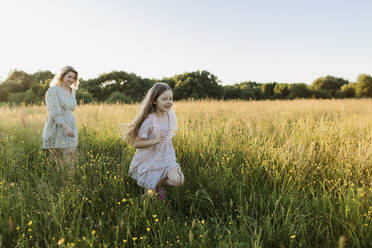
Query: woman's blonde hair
147, 107
57, 80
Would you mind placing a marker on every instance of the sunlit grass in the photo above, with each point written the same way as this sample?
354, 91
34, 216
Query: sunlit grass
258, 174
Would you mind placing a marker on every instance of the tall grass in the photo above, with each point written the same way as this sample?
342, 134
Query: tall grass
258, 174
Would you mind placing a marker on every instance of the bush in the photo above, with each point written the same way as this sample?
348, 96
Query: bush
39, 91
299, 90
30, 97
231, 92
268, 90
250, 94
320, 94
346, 91
83, 96
14, 87
118, 97
4, 95
281, 91
16, 98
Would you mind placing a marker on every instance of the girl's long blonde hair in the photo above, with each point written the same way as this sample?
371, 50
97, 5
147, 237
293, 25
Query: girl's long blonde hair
147, 107
57, 80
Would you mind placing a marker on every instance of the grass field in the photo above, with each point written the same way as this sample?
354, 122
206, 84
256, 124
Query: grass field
257, 174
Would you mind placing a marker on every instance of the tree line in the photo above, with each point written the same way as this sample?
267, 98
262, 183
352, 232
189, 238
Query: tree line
120, 86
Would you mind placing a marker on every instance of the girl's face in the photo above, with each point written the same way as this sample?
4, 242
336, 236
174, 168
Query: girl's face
165, 101
69, 78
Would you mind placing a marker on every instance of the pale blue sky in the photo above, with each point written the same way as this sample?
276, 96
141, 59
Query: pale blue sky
263, 41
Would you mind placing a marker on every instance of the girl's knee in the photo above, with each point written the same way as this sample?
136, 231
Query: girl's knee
182, 179
179, 181
176, 182
176, 177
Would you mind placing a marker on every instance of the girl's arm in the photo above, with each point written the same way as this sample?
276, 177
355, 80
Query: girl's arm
144, 143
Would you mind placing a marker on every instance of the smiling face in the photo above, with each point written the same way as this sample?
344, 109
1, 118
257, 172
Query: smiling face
164, 102
69, 79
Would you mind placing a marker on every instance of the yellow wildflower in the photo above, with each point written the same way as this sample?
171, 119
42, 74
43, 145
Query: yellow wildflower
60, 242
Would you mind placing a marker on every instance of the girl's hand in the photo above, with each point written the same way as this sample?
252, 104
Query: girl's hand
68, 131
159, 138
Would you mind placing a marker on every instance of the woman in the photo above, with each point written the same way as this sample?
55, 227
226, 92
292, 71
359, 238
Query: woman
60, 135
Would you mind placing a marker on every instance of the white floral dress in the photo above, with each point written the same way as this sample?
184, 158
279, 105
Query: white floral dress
151, 164
60, 105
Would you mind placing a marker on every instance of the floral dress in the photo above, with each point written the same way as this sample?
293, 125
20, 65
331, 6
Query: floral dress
60, 105
151, 164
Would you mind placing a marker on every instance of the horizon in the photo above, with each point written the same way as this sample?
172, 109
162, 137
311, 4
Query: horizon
267, 82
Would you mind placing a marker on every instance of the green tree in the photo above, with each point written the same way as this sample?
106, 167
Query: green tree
250, 90
16, 98
118, 97
364, 86
281, 91
30, 97
320, 94
83, 96
346, 91
250, 94
3, 94
20, 77
299, 90
170, 81
130, 84
42, 77
14, 86
329, 83
244, 90
268, 90
39, 90
231, 92
197, 85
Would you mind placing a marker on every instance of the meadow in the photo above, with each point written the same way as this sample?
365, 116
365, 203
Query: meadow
257, 174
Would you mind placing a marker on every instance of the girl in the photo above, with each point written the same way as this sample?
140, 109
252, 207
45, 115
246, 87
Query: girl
60, 135
154, 165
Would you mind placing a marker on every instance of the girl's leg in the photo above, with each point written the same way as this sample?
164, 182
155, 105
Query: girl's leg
174, 177
55, 157
69, 155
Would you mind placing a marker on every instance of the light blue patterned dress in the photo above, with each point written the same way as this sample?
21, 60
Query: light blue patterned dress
60, 105
150, 165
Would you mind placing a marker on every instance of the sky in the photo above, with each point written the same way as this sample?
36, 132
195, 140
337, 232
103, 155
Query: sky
264, 41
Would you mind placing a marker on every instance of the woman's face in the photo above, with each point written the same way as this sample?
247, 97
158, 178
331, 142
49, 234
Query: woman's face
69, 78
165, 101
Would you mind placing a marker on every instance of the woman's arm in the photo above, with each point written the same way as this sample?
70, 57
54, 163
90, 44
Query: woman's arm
54, 107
